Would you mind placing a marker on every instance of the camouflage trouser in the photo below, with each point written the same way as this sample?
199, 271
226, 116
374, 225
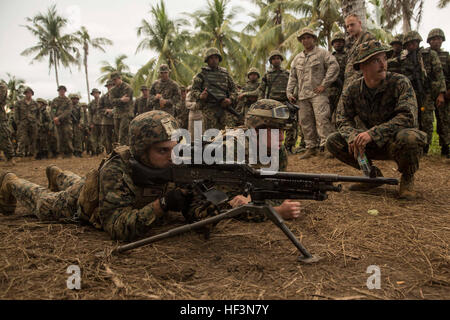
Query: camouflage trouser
195, 115
42, 141
53, 142
334, 94
78, 135
95, 137
443, 123
47, 205
107, 137
405, 149
5, 140
121, 126
27, 134
291, 135
214, 118
314, 115
65, 138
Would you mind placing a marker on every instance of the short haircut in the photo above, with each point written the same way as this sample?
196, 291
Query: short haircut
352, 15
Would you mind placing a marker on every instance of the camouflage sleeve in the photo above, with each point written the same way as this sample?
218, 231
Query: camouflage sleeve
404, 117
67, 110
197, 88
293, 80
152, 101
115, 96
332, 67
345, 115
17, 111
438, 74
118, 217
175, 96
232, 89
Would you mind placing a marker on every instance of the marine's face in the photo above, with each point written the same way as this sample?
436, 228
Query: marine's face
375, 68
353, 26
436, 43
159, 154
270, 132
117, 81
28, 95
213, 61
253, 77
397, 47
96, 95
62, 93
308, 41
145, 93
412, 45
338, 45
164, 75
276, 61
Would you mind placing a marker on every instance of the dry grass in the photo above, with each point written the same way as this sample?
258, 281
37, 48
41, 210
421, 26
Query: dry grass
409, 241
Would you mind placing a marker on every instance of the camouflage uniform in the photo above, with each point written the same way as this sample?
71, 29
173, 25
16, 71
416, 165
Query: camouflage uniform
141, 104
385, 112
123, 111
45, 124
220, 84
169, 90
107, 136
63, 111
78, 124
53, 132
310, 70
443, 112
181, 111
352, 53
5, 133
107, 198
433, 81
249, 93
393, 63
335, 90
95, 123
26, 117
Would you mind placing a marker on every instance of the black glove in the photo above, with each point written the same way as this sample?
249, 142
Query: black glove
175, 200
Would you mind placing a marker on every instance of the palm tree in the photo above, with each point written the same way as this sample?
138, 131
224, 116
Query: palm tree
119, 66
443, 3
406, 10
16, 88
57, 47
85, 40
163, 35
357, 7
214, 29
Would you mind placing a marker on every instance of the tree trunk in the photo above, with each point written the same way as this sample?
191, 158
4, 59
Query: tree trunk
406, 18
357, 7
56, 71
87, 78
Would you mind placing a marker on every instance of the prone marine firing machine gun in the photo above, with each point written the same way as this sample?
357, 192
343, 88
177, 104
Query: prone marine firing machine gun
260, 185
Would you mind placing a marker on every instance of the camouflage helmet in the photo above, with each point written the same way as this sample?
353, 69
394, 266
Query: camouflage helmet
74, 96
62, 88
114, 75
274, 53
397, 39
211, 52
305, 31
367, 50
43, 101
149, 128
28, 89
253, 70
95, 90
109, 83
267, 113
337, 36
164, 68
436, 33
410, 36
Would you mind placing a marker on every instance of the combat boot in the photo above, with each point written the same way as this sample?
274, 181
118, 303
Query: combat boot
406, 187
362, 186
8, 202
327, 154
309, 153
52, 173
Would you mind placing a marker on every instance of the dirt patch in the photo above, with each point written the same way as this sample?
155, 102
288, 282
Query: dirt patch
408, 241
